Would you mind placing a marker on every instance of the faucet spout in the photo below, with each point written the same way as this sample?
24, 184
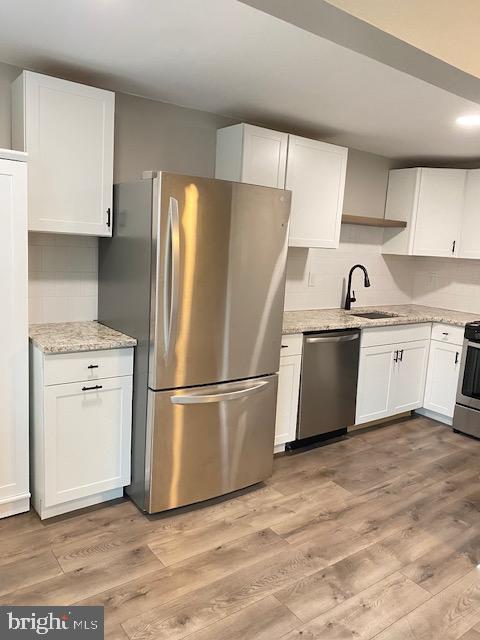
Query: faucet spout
350, 297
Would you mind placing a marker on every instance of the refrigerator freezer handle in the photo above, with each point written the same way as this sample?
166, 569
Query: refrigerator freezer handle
218, 397
172, 268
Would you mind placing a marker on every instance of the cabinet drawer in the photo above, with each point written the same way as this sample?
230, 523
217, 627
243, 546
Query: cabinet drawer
396, 333
448, 333
292, 345
87, 365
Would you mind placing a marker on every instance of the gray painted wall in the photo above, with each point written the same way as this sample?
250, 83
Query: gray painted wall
366, 183
156, 135
7, 76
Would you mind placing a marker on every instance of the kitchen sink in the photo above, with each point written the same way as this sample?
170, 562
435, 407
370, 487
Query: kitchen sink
375, 315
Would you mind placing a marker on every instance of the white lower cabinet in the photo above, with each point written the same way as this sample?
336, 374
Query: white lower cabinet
288, 390
442, 378
374, 383
81, 434
391, 377
408, 376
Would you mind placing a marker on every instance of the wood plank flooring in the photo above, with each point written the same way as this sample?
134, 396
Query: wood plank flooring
374, 536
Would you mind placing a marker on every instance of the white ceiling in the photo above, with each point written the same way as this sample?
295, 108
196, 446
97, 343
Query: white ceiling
225, 57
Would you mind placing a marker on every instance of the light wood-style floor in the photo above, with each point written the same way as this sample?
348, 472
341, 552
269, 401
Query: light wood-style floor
376, 536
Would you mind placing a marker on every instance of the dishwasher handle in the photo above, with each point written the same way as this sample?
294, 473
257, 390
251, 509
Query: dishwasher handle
348, 338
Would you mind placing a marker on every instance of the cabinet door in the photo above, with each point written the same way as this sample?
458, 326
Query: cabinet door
442, 377
316, 176
69, 139
439, 212
374, 382
287, 399
469, 245
408, 379
87, 438
264, 157
13, 334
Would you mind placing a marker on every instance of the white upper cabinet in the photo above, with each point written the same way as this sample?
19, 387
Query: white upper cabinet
439, 212
246, 153
431, 202
67, 130
316, 176
469, 245
314, 171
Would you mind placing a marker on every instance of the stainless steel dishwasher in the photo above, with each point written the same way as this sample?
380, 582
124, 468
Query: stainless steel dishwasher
328, 388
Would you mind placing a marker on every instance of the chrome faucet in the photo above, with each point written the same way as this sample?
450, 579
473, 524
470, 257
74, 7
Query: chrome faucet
350, 297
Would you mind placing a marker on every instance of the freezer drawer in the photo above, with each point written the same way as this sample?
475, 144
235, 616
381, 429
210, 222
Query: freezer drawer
210, 440
328, 382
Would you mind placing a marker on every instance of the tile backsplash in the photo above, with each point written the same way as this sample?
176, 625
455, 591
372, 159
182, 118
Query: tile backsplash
317, 278
447, 282
63, 275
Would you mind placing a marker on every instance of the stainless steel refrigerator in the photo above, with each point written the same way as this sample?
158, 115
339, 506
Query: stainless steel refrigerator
195, 271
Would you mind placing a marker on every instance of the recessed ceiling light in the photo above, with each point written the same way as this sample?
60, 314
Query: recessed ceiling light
472, 120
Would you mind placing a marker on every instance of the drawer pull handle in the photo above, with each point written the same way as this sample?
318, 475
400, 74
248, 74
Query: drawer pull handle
445, 333
92, 366
97, 386
284, 346
456, 357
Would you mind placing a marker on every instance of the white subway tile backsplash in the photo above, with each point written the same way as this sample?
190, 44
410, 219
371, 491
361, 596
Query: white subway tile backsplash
316, 278
63, 277
452, 283
69, 259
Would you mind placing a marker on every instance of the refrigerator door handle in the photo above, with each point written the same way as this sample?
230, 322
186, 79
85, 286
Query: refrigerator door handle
218, 397
172, 273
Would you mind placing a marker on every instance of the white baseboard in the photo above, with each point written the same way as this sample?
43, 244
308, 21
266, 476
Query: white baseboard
435, 416
81, 503
15, 504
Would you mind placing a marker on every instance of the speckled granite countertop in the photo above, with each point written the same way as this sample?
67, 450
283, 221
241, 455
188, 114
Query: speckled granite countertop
72, 337
326, 319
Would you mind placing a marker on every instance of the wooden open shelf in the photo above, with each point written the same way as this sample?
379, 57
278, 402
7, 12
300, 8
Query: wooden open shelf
372, 222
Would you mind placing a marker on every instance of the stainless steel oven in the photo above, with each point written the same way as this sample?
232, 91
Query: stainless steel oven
466, 418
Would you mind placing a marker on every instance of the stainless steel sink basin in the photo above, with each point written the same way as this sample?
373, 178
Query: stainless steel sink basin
375, 315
